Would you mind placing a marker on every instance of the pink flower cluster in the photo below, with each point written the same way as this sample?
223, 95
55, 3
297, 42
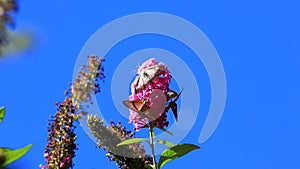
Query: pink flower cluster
64, 164
161, 81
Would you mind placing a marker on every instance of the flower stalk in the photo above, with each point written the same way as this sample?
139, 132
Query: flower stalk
152, 145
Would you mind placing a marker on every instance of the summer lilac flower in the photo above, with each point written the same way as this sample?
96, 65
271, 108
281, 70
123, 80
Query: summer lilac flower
61, 141
61, 138
161, 81
131, 156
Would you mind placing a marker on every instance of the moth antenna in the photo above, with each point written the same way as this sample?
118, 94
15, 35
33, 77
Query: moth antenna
137, 68
134, 70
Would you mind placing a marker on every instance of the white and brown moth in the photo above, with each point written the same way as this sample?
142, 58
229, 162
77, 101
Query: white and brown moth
147, 75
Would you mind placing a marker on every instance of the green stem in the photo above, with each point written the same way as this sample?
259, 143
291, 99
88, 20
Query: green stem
152, 146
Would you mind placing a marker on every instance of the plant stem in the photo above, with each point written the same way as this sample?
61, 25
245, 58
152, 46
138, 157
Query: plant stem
152, 146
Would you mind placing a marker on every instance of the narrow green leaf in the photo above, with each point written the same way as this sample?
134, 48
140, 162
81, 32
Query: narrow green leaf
173, 106
2, 113
166, 143
175, 152
131, 141
13, 155
165, 130
152, 133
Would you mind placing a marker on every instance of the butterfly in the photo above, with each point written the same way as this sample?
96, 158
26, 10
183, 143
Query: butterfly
173, 105
147, 75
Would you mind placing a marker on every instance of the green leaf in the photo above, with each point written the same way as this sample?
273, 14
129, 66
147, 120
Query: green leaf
13, 155
152, 134
165, 130
131, 141
166, 143
175, 152
148, 166
2, 113
18, 42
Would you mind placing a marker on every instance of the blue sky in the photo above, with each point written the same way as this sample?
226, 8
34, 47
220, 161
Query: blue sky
258, 44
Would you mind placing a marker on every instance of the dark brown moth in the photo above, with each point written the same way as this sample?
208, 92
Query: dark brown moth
173, 104
171, 94
140, 106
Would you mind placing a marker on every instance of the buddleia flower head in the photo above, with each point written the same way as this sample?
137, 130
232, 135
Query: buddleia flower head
61, 141
152, 76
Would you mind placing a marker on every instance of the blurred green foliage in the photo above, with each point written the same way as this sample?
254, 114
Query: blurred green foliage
8, 155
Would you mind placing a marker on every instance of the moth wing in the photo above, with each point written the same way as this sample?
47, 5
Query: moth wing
142, 81
153, 71
174, 110
136, 105
129, 105
144, 108
172, 94
139, 105
177, 97
173, 104
148, 74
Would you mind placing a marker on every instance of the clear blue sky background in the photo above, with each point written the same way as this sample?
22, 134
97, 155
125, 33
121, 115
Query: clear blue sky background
258, 43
